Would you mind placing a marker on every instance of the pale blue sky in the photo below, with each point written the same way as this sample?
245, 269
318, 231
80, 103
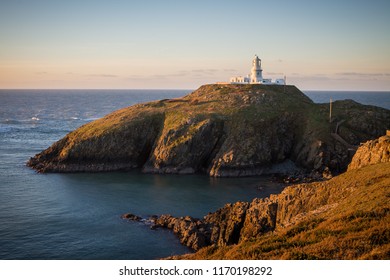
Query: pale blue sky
332, 44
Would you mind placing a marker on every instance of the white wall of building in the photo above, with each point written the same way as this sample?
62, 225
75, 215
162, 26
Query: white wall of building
256, 76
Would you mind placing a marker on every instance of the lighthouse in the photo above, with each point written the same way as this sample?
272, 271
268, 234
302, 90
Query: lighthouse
256, 76
257, 72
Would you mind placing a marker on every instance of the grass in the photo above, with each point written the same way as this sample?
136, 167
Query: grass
357, 228
250, 119
228, 102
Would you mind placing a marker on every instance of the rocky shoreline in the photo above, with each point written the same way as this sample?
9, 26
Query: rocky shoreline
222, 131
240, 222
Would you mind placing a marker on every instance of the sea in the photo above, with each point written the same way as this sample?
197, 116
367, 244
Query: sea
78, 216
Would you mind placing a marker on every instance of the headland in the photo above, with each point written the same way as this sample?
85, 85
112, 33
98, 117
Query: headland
221, 130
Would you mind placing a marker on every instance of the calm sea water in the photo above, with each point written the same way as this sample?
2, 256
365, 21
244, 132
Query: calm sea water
376, 98
77, 216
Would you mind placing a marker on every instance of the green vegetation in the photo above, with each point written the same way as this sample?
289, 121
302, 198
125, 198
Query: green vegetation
222, 130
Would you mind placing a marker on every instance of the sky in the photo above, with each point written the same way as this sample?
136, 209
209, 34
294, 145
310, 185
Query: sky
126, 44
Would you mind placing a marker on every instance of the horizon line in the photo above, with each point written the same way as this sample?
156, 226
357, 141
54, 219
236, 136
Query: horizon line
325, 90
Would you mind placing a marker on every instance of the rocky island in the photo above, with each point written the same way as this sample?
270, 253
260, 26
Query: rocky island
220, 130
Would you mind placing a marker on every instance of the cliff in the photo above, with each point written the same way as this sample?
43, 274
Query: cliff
346, 217
372, 152
221, 130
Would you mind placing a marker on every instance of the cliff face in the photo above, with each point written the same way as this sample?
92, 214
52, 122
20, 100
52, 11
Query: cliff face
346, 217
221, 130
372, 152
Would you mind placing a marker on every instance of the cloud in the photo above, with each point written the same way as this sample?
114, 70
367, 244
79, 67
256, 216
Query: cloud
179, 74
274, 73
348, 77
230, 70
160, 76
313, 77
147, 77
205, 71
361, 74
318, 78
103, 75
194, 73
191, 73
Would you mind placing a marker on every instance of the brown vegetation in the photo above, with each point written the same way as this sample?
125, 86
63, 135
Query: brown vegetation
347, 217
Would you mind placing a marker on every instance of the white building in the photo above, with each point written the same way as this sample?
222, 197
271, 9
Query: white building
256, 72
256, 76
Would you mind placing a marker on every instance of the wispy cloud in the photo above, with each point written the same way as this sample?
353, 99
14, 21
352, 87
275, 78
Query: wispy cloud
204, 71
103, 75
181, 73
312, 77
230, 70
147, 78
275, 73
178, 75
361, 74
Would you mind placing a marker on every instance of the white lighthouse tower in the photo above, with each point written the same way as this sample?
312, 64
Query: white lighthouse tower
257, 72
256, 76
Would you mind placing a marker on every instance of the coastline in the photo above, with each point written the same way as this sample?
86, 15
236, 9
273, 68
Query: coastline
64, 194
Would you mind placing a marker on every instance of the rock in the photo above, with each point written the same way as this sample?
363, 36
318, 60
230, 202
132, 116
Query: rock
221, 228
372, 152
260, 218
131, 217
243, 221
318, 211
226, 223
190, 231
153, 227
234, 130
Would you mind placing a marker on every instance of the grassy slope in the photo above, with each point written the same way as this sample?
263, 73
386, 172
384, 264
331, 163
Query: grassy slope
227, 102
245, 119
223, 101
352, 225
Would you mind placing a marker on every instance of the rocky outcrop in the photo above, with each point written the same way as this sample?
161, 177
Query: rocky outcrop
186, 149
220, 130
131, 217
221, 228
372, 152
242, 221
192, 232
346, 217
226, 223
260, 218
121, 141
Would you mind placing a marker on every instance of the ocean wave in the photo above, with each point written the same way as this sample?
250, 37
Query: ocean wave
20, 122
10, 121
81, 119
91, 119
